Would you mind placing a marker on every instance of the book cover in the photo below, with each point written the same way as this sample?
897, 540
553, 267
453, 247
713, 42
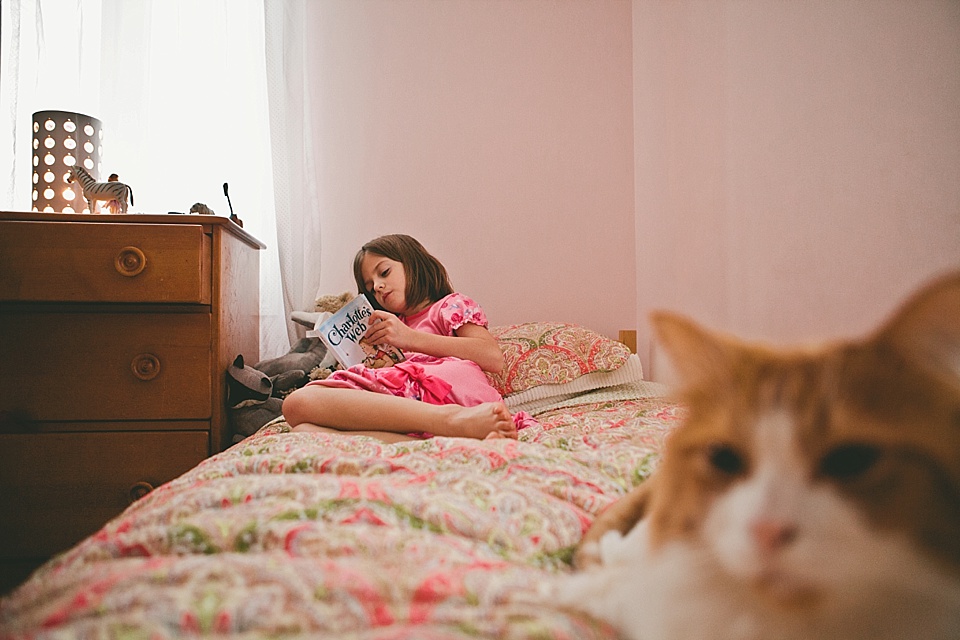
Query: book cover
343, 334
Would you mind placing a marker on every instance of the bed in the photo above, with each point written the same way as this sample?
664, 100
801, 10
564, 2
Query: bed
317, 535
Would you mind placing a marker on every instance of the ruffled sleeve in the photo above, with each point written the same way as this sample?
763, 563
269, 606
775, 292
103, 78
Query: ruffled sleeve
457, 310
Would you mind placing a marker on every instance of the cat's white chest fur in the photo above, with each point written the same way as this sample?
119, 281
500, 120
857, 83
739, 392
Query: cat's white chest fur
776, 556
682, 592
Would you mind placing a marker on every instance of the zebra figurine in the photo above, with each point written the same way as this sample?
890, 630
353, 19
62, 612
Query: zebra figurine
105, 191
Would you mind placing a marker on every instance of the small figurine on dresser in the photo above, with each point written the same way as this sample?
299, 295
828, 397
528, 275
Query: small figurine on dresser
94, 191
202, 209
114, 205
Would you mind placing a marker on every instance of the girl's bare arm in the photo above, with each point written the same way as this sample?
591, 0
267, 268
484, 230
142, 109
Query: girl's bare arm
471, 342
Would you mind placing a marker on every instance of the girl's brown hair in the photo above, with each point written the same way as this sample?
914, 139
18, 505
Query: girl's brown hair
427, 279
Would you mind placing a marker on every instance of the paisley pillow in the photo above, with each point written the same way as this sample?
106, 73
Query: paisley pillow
538, 353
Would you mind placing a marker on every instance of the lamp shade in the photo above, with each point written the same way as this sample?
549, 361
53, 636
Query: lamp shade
62, 139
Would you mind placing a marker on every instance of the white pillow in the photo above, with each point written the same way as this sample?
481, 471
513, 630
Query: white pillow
531, 399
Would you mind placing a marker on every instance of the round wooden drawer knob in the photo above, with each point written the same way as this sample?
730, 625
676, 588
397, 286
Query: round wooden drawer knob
146, 366
130, 261
140, 489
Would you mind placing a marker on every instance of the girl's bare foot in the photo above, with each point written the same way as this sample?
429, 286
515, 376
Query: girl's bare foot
488, 420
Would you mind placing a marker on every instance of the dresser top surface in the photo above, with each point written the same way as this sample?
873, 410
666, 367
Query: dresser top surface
136, 218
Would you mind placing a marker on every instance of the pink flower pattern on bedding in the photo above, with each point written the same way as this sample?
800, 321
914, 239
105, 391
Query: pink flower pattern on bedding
329, 536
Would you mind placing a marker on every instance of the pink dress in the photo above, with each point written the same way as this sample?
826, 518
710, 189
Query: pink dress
428, 378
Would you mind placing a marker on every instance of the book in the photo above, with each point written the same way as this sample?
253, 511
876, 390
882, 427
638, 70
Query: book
343, 334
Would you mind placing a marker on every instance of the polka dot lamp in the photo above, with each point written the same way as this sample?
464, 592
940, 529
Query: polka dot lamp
61, 140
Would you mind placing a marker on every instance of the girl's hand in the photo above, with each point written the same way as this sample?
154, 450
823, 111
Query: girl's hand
386, 328
469, 342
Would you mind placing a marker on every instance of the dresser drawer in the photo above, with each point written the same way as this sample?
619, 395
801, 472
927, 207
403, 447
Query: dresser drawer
106, 366
97, 262
56, 488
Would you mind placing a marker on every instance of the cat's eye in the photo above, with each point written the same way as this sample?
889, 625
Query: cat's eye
849, 461
726, 459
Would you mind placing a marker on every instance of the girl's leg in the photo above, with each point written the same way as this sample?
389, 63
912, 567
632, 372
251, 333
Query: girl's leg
385, 436
355, 410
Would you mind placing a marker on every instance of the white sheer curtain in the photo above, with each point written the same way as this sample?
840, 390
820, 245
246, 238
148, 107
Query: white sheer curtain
181, 87
49, 59
294, 160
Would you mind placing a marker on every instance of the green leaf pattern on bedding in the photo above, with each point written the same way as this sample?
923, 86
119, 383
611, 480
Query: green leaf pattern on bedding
333, 536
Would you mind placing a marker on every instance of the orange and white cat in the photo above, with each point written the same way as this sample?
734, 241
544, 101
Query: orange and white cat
808, 494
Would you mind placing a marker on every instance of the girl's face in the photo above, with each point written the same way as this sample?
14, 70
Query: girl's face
387, 280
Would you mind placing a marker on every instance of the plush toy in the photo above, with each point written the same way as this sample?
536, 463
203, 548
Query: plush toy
323, 306
246, 384
255, 394
332, 304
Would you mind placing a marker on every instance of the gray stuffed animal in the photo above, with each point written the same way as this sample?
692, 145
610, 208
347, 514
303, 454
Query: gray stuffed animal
255, 394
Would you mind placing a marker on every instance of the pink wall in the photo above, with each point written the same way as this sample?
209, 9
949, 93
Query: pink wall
784, 170
498, 133
797, 163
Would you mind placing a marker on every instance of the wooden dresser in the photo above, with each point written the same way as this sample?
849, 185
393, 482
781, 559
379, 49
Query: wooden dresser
115, 335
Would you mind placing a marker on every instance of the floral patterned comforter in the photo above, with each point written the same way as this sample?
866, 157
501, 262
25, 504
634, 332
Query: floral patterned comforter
289, 534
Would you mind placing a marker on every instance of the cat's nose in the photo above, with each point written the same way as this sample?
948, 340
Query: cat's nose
773, 535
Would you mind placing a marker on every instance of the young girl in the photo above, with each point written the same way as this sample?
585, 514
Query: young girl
447, 346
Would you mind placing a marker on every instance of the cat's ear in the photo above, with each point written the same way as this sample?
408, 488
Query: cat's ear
926, 329
695, 354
